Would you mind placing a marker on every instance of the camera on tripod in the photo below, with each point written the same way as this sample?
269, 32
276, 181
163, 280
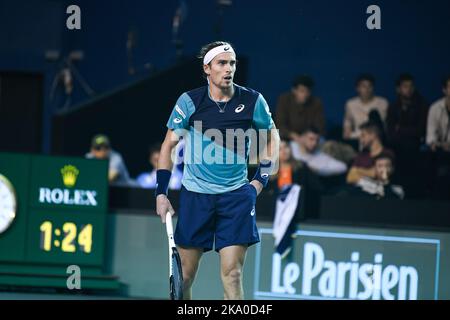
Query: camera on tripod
67, 73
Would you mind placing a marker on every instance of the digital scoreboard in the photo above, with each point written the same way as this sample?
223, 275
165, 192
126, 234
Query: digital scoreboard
52, 215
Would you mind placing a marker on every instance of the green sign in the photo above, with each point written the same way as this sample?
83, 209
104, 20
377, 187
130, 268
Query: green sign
53, 215
69, 183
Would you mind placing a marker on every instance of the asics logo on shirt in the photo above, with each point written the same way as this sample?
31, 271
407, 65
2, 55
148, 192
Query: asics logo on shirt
239, 108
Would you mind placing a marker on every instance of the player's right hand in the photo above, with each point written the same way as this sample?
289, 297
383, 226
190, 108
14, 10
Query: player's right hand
163, 206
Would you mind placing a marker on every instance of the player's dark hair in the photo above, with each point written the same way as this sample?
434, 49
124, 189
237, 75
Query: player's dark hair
365, 77
403, 78
204, 50
304, 80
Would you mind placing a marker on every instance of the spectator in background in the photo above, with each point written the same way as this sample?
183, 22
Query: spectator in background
438, 126
299, 109
290, 170
321, 174
438, 139
307, 150
372, 146
406, 118
357, 109
101, 149
148, 179
380, 185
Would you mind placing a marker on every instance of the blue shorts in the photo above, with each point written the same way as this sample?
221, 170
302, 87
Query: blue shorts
221, 219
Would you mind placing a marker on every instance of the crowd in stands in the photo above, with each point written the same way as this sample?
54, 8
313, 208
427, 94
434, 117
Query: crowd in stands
398, 149
387, 150
118, 175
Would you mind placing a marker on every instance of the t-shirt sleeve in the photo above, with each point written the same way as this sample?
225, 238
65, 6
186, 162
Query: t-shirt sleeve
179, 118
262, 118
115, 162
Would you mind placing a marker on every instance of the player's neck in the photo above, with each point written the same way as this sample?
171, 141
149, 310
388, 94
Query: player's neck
220, 94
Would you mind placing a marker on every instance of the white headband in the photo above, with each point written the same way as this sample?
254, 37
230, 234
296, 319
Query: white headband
211, 54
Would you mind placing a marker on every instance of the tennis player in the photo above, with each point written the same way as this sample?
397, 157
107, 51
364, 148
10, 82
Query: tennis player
217, 201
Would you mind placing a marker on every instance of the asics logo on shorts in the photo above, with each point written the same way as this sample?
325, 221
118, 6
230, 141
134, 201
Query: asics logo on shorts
253, 212
177, 120
239, 108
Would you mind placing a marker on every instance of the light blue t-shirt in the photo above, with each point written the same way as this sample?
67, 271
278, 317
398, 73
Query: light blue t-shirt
217, 148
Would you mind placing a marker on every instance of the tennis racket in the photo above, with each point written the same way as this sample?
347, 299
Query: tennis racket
175, 271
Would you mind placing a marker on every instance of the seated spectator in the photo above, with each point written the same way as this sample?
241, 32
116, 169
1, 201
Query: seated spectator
380, 185
357, 109
299, 109
372, 146
306, 149
438, 126
438, 140
148, 179
292, 171
406, 118
101, 149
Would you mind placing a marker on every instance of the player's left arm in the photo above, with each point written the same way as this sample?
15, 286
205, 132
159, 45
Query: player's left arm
268, 155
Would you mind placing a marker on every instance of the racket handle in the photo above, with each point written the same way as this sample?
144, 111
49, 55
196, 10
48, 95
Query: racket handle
169, 229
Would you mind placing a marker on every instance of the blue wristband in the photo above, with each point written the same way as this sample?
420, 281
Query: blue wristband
262, 174
162, 181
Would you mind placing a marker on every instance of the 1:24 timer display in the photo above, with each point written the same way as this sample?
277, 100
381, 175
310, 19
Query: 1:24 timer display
68, 239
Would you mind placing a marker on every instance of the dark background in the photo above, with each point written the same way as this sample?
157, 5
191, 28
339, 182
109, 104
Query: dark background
327, 39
